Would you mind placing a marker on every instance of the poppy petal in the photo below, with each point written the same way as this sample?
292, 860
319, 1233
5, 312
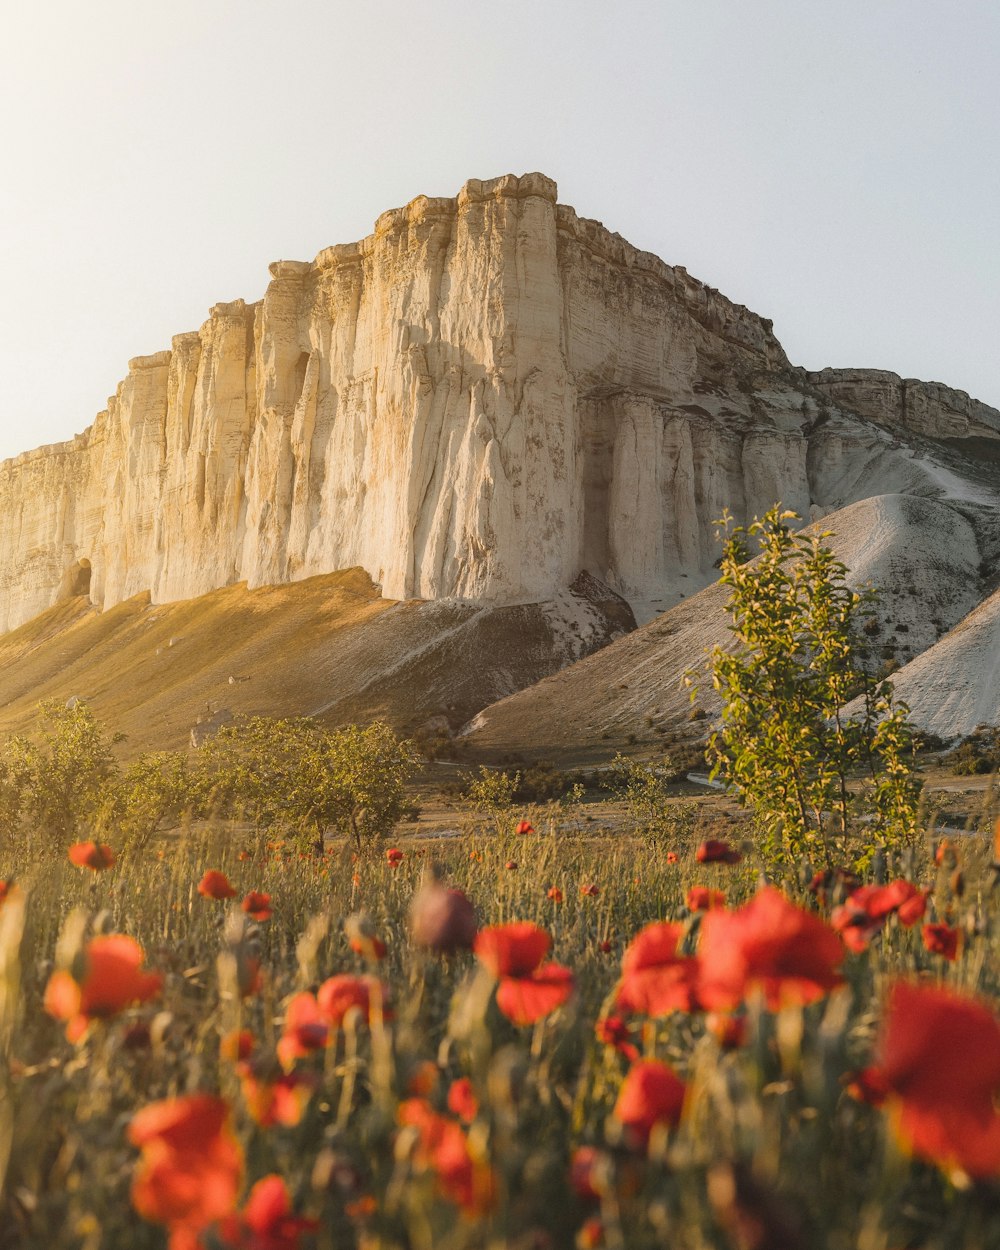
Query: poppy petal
527, 999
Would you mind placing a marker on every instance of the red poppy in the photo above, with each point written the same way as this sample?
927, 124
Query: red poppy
555, 894
180, 1123
524, 1000
266, 1221
942, 940
771, 945
868, 908
109, 980
672, 857
605, 947
511, 865
394, 856
257, 906
655, 979
443, 1148
191, 1165
215, 884
590, 890
343, 993
715, 852
911, 909
613, 1031
305, 1030
512, 950
462, 1100
528, 989
6, 888
651, 1094
273, 1098
699, 898
946, 854
443, 920
91, 855
523, 827
940, 1062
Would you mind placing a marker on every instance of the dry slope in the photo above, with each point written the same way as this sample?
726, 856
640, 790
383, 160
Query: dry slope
329, 646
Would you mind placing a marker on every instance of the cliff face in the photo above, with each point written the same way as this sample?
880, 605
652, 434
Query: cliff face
485, 396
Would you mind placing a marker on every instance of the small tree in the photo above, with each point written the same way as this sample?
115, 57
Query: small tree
362, 775
62, 777
152, 793
785, 742
491, 792
643, 790
298, 777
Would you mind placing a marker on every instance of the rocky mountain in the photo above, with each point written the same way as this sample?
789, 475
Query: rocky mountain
485, 396
475, 404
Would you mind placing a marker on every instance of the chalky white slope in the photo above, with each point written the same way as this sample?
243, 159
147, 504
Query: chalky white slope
954, 687
925, 556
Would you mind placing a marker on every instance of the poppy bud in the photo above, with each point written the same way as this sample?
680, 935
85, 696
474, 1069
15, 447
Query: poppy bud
442, 920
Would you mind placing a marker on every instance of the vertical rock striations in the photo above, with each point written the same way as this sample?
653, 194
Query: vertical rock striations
485, 396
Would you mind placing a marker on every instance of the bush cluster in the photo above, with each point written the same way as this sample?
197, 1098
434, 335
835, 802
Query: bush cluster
288, 777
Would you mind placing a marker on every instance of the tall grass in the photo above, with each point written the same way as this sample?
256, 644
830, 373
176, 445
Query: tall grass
770, 1138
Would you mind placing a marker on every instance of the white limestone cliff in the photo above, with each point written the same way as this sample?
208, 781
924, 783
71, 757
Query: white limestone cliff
485, 396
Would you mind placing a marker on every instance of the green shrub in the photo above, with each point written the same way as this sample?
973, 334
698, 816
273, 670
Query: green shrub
785, 743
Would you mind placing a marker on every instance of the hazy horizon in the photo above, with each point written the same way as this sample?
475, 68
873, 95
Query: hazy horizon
833, 170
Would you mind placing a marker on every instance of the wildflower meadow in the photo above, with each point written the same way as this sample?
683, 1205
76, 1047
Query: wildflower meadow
522, 1037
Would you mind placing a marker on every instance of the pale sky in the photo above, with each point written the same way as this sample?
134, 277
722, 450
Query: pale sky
833, 165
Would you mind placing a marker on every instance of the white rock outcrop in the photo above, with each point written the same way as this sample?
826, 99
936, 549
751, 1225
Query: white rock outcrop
479, 400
